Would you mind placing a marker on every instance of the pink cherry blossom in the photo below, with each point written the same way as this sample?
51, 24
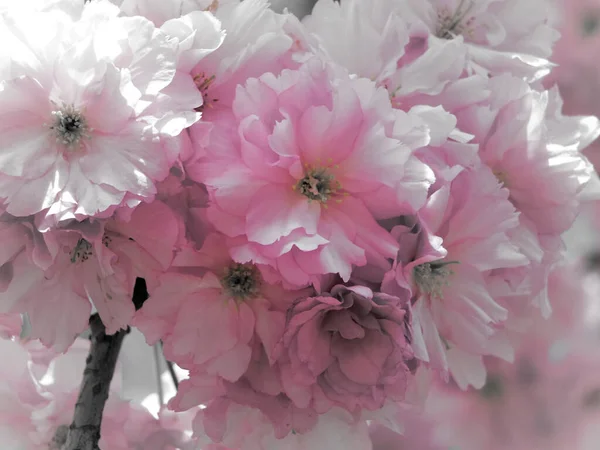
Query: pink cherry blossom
208, 319
434, 42
294, 174
535, 152
349, 348
255, 43
94, 263
64, 110
538, 157
445, 261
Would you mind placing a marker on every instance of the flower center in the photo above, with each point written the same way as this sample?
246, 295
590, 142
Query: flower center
431, 278
69, 126
318, 184
203, 82
501, 177
81, 252
241, 281
451, 23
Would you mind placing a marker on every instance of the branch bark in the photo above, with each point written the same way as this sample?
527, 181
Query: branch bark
84, 432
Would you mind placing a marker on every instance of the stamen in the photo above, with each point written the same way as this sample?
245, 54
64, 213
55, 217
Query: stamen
106, 240
501, 177
318, 184
203, 83
81, 252
451, 24
431, 278
241, 281
70, 126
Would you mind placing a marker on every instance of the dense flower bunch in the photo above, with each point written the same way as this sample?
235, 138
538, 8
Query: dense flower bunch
326, 214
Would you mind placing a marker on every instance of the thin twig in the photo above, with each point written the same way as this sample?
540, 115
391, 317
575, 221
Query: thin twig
161, 394
171, 370
84, 432
173, 375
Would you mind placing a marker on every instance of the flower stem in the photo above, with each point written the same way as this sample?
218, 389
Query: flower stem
84, 432
161, 394
171, 370
173, 375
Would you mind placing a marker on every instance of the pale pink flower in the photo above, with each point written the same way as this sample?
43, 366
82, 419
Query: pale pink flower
349, 348
306, 164
419, 47
82, 123
208, 319
444, 262
92, 262
366, 39
388, 53
255, 43
534, 151
499, 35
474, 21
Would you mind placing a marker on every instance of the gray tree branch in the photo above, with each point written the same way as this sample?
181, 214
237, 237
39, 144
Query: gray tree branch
84, 432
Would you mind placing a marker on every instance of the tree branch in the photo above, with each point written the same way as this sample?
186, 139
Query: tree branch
84, 432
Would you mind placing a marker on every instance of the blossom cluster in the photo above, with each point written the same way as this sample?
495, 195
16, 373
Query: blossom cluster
326, 214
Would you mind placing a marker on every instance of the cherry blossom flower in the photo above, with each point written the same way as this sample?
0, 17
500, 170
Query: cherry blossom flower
94, 263
64, 110
445, 263
207, 320
301, 181
349, 348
